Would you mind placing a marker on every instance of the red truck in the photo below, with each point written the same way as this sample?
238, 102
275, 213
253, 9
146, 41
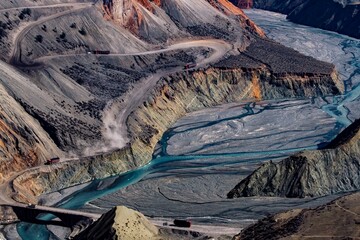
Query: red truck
190, 65
52, 161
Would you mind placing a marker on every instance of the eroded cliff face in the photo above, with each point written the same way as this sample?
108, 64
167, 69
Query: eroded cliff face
23, 143
71, 173
171, 99
329, 15
230, 9
340, 16
337, 218
158, 21
309, 173
280, 6
176, 95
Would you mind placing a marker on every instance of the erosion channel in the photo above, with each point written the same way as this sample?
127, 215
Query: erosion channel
206, 153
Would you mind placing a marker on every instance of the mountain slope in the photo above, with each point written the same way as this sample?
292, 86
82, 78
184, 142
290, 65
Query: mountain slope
309, 173
280, 6
106, 84
337, 219
330, 15
120, 223
23, 143
340, 16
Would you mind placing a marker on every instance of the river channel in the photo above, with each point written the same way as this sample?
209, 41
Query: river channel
208, 152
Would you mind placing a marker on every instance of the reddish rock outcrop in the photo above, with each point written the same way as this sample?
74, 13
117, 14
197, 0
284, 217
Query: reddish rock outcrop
230, 9
138, 15
244, 4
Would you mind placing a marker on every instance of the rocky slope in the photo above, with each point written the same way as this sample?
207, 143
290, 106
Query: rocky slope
124, 223
337, 219
120, 223
310, 173
67, 97
280, 6
23, 143
75, 90
330, 15
158, 21
341, 16
236, 78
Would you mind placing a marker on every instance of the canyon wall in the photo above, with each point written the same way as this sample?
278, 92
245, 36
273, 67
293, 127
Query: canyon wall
337, 218
172, 98
280, 6
23, 143
329, 15
339, 16
309, 173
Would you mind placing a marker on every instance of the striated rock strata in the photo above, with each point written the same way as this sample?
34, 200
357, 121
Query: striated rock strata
309, 173
160, 20
234, 79
23, 143
337, 219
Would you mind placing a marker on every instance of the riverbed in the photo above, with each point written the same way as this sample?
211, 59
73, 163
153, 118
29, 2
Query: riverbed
208, 152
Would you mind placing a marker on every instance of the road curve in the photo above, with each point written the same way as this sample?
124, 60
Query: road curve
117, 124
45, 6
15, 55
114, 120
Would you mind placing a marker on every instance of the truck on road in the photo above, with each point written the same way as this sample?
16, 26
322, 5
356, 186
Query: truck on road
52, 161
99, 52
182, 223
190, 65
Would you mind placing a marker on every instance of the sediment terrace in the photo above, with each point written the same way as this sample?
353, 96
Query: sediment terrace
180, 93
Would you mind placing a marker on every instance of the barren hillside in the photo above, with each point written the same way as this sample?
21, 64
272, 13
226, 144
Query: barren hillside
107, 78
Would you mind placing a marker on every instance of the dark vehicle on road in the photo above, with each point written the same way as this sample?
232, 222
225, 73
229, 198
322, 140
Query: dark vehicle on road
52, 161
190, 65
30, 205
182, 223
99, 52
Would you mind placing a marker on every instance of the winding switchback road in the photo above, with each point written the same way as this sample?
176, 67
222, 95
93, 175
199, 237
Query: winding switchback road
15, 55
115, 125
45, 6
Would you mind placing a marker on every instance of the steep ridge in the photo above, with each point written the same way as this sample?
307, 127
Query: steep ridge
310, 173
228, 8
120, 223
330, 15
337, 219
84, 84
159, 21
280, 6
340, 16
23, 143
67, 88
234, 79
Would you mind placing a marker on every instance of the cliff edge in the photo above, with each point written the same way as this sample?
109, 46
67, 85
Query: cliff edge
330, 15
337, 219
334, 15
309, 173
